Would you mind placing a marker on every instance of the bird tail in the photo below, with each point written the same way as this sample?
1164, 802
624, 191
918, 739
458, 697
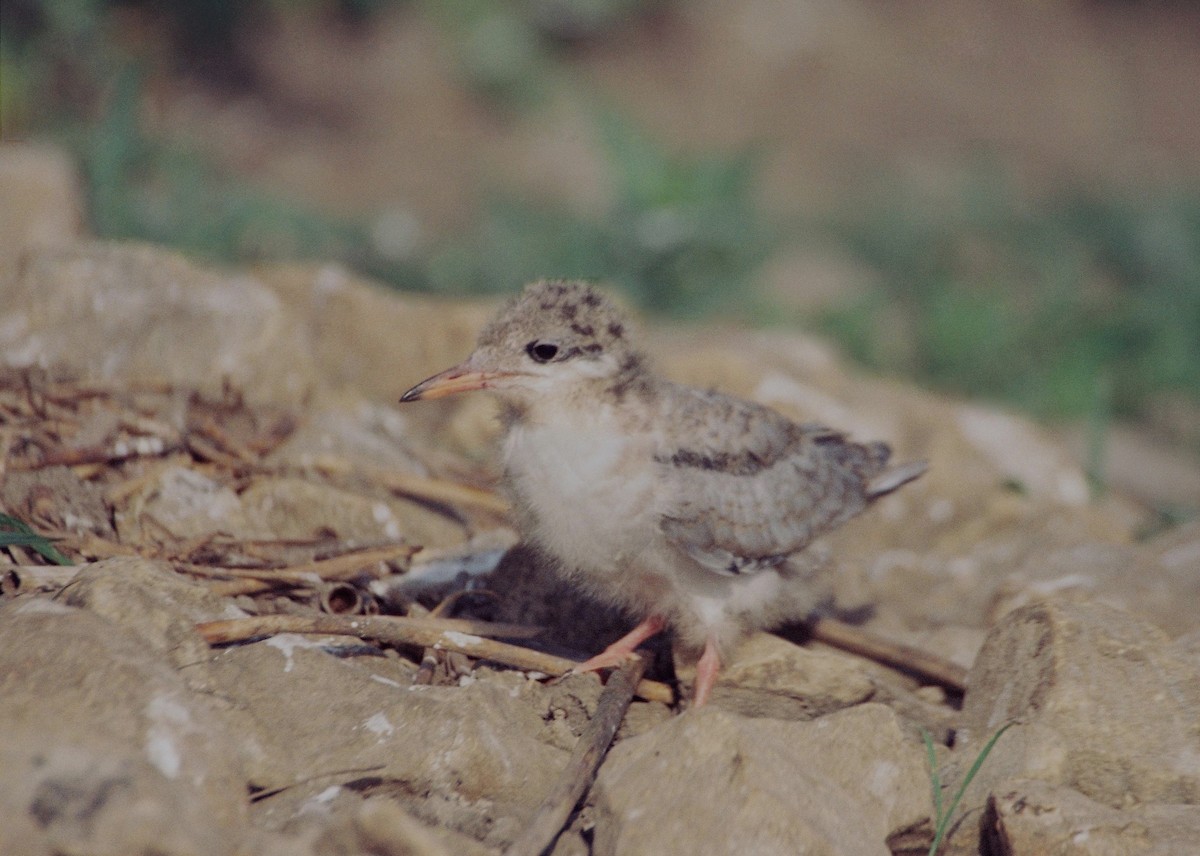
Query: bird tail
894, 478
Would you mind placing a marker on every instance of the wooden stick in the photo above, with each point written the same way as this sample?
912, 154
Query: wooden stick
450, 634
345, 567
25, 579
418, 487
906, 658
541, 833
393, 629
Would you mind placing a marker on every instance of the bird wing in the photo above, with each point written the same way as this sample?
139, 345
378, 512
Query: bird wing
752, 487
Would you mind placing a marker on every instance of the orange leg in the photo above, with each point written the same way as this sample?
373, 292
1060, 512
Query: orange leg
621, 650
706, 674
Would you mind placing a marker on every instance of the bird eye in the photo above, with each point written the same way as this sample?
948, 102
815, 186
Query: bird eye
542, 352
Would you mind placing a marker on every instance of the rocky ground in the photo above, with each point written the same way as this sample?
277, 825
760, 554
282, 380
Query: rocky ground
210, 445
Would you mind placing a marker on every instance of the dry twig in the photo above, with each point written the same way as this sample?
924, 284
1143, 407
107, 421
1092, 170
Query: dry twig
906, 658
581, 769
422, 488
450, 634
253, 580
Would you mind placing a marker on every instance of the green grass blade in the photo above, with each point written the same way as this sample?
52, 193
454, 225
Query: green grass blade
16, 533
943, 821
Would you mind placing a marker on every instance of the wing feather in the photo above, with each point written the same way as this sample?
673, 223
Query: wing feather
755, 487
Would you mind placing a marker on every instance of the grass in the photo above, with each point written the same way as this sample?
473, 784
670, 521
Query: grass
942, 815
16, 533
683, 235
1080, 306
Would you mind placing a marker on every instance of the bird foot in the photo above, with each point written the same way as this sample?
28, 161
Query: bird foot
706, 674
624, 648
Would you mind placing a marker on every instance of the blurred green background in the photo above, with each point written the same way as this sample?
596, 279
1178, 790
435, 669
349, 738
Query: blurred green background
1001, 201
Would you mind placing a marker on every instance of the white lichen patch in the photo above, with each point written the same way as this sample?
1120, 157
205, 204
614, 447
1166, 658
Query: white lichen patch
288, 643
168, 722
379, 726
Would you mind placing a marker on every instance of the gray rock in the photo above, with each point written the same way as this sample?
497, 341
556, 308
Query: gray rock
106, 751
1104, 705
1031, 818
295, 508
475, 757
134, 312
152, 602
769, 676
1161, 583
379, 826
41, 200
189, 504
713, 782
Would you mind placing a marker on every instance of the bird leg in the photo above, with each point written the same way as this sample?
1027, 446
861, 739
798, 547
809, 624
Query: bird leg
706, 674
621, 650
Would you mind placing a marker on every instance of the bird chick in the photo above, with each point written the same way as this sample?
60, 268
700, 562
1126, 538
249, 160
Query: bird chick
679, 505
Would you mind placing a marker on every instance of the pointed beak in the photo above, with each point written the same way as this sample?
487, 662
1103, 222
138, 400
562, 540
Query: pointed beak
461, 378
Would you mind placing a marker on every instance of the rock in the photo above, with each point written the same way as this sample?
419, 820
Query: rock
713, 782
56, 498
294, 508
189, 504
137, 313
41, 202
1025, 456
769, 676
354, 433
1054, 668
106, 751
378, 341
475, 758
1103, 704
152, 602
379, 826
1031, 818
1159, 582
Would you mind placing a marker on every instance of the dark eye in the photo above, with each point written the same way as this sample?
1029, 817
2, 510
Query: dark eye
542, 352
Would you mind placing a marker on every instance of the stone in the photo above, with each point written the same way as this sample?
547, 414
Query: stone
190, 504
1027, 817
295, 508
714, 782
476, 758
357, 433
379, 826
1054, 669
151, 602
41, 201
1102, 704
106, 751
1158, 582
137, 313
370, 338
184, 501
771, 677
57, 498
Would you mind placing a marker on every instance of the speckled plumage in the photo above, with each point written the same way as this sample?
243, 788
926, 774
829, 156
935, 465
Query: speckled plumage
660, 498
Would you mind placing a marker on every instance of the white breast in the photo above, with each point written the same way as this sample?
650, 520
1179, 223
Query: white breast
591, 503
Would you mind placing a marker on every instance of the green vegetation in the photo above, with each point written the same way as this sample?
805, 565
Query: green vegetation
150, 190
682, 235
1080, 305
943, 814
16, 533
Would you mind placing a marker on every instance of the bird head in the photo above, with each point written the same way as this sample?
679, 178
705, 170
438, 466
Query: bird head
555, 337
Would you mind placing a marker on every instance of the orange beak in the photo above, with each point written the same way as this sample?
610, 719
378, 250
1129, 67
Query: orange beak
453, 381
